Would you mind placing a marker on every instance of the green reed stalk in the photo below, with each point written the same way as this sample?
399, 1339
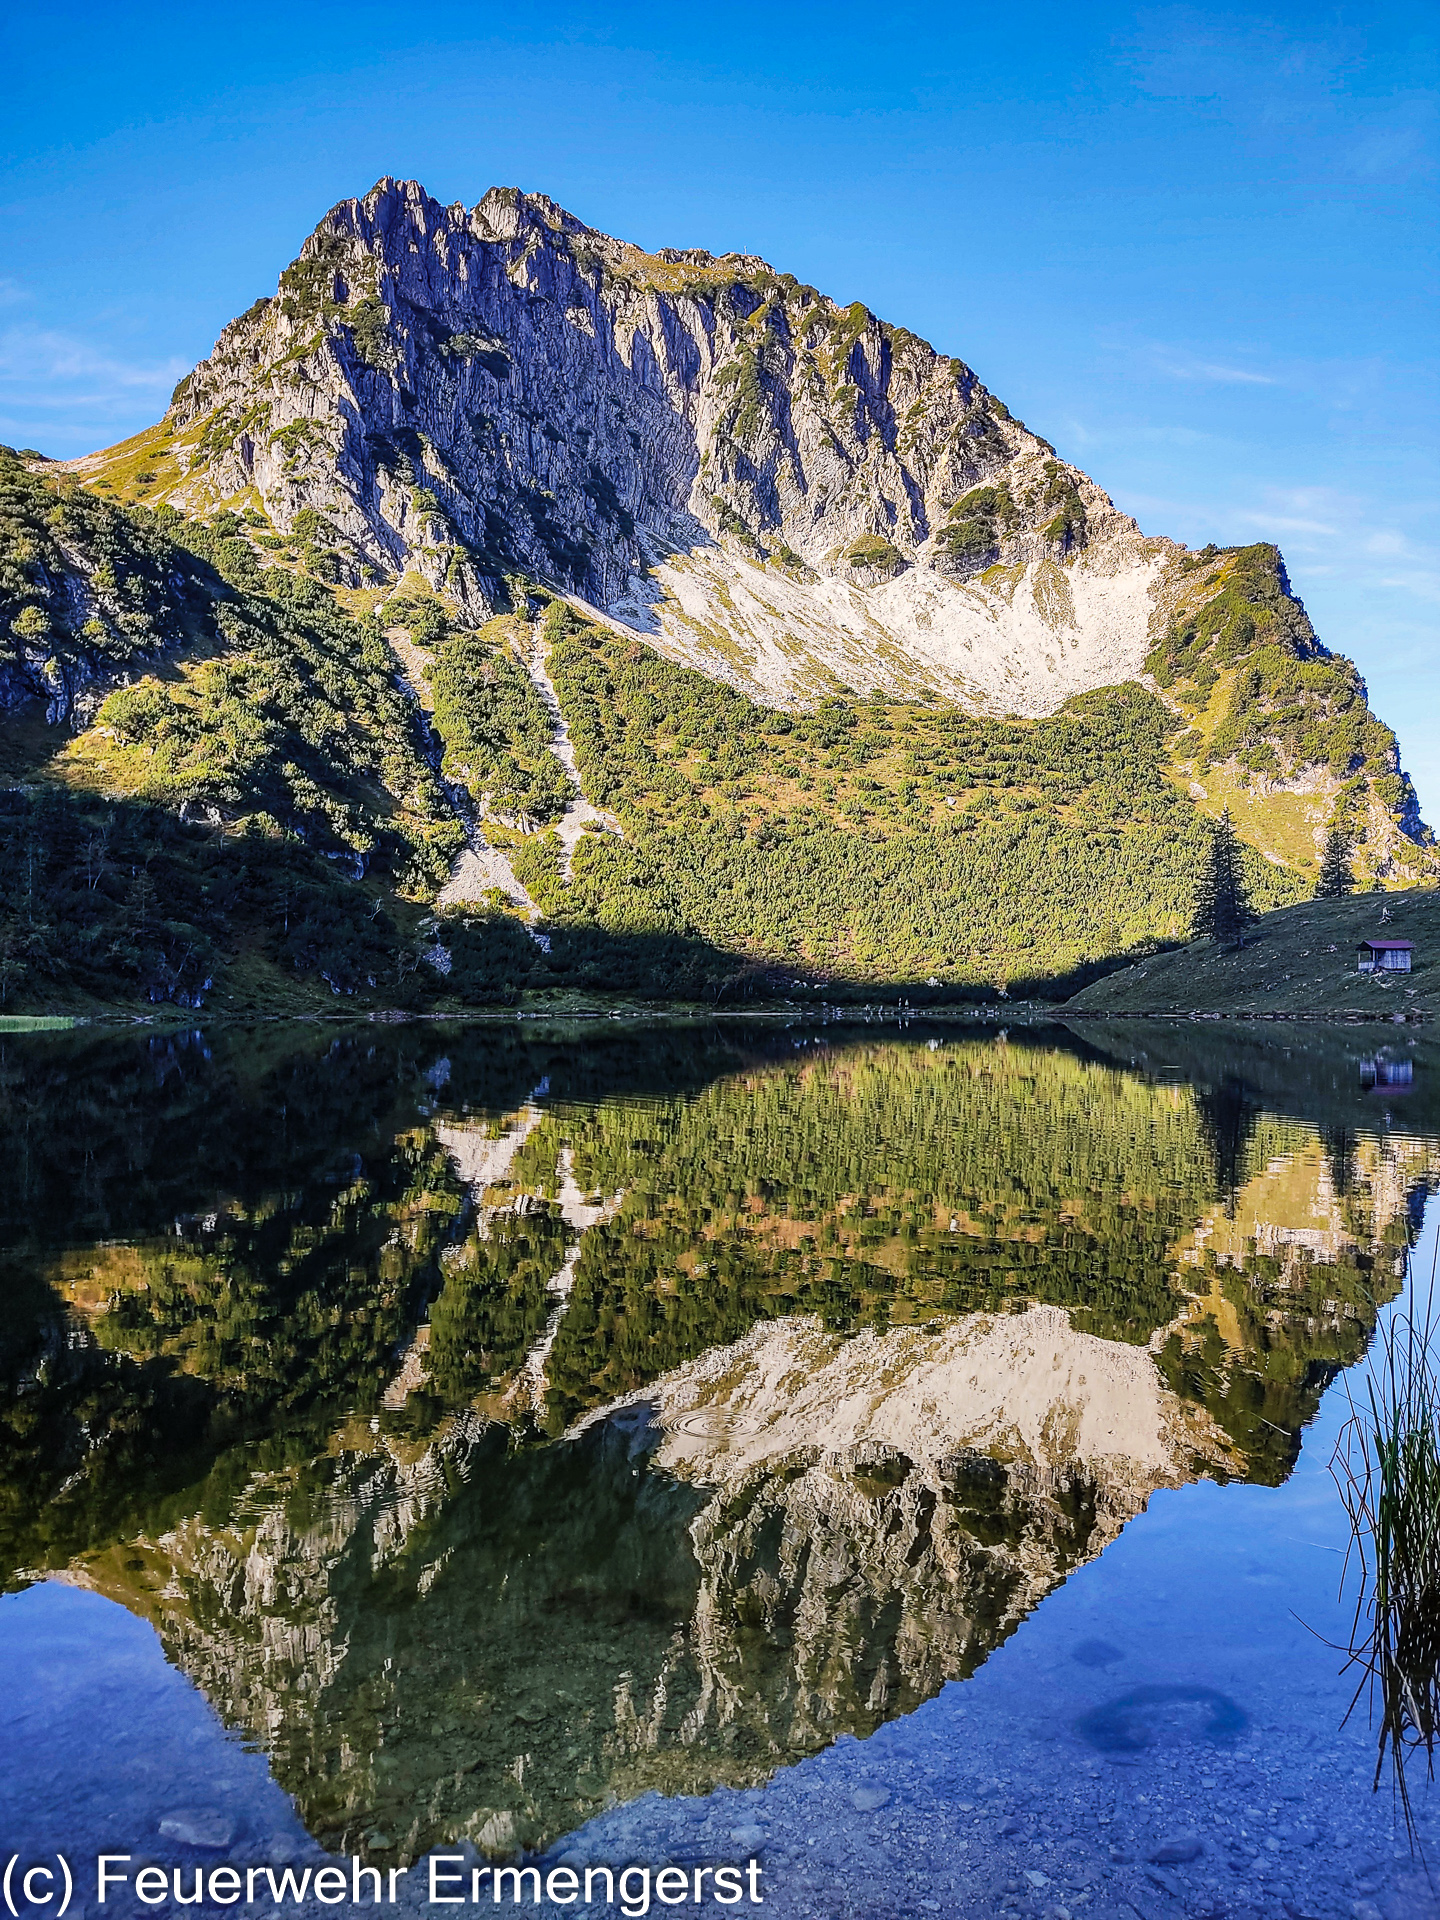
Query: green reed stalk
1387, 1467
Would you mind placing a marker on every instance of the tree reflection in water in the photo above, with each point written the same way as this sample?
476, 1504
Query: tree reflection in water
494, 1424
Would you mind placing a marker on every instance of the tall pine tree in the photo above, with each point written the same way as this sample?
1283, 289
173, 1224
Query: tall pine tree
1222, 905
1336, 877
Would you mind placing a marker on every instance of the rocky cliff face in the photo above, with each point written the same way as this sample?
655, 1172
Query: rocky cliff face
791, 494
702, 453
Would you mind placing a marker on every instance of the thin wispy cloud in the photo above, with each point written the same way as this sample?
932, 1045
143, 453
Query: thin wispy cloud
1264, 518
1386, 543
43, 356
1182, 360
1230, 376
1094, 435
1332, 534
1322, 511
66, 394
1422, 583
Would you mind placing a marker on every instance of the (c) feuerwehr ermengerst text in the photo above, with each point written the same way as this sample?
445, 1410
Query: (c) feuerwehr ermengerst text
450, 1880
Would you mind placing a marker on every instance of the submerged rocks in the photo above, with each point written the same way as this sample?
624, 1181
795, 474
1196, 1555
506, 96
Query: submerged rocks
870, 1799
198, 1827
1162, 1714
1176, 1851
1096, 1653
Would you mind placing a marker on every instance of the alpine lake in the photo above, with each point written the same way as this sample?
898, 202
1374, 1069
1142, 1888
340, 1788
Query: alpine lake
897, 1455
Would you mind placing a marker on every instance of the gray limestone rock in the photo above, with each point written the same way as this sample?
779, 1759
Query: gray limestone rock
785, 492
870, 1799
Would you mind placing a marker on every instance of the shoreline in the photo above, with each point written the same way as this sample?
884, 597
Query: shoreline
1027, 1014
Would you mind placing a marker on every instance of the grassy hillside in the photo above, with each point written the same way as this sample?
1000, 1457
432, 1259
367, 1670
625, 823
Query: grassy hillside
1300, 959
191, 680
216, 784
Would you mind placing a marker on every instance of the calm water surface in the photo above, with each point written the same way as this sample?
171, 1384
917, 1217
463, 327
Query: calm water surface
427, 1434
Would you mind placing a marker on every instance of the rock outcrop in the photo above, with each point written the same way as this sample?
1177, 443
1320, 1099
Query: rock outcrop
789, 493
793, 496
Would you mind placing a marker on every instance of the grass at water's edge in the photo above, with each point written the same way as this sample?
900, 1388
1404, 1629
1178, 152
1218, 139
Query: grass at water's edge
1387, 1468
1297, 962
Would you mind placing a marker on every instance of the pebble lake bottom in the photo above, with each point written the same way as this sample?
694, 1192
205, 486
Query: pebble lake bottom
1160, 1738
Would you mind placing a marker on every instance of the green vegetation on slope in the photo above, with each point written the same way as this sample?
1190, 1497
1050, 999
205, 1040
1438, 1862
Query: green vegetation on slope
103, 901
1298, 960
870, 841
245, 697
978, 522
59, 627
266, 705
250, 805
495, 726
1269, 705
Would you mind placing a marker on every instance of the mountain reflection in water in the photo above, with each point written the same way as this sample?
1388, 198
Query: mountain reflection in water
496, 1426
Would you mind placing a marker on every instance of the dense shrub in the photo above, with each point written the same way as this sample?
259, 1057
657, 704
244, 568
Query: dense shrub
495, 727
978, 522
871, 841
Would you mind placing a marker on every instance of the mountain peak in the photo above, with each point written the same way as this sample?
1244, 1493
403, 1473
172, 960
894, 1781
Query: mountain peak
788, 492
793, 495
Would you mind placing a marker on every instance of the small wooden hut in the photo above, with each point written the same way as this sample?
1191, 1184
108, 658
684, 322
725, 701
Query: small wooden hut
1384, 956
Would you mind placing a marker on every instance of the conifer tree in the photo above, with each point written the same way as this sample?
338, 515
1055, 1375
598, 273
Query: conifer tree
1336, 877
1222, 905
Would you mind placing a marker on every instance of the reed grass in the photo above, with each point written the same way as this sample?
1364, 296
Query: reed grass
1387, 1467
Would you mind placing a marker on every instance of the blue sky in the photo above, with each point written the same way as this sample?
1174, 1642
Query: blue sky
1196, 248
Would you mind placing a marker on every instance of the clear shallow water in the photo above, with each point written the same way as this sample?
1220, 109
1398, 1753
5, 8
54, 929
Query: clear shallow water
1180, 1686
721, 1425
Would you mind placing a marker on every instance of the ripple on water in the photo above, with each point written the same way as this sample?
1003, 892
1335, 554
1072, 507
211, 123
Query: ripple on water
716, 1422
